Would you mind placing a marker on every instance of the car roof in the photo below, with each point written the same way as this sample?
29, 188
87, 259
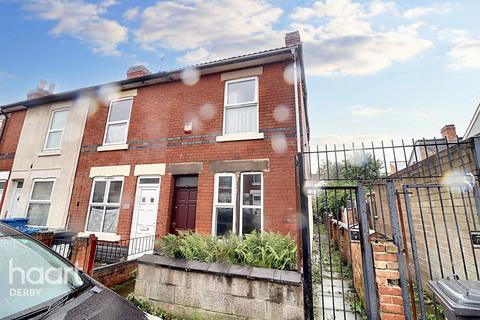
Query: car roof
7, 231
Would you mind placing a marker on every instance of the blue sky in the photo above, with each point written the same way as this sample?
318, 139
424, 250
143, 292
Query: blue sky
375, 69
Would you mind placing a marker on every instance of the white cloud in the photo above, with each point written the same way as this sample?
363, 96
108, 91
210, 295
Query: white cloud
453, 35
5, 75
361, 111
83, 21
340, 39
209, 29
465, 55
418, 12
370, 112
131, 14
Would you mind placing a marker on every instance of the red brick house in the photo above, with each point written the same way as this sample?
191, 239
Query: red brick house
209, 148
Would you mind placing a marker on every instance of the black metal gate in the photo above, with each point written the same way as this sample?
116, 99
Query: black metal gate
427, 204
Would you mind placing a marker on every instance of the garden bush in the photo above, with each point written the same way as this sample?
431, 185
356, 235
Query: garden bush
266, 249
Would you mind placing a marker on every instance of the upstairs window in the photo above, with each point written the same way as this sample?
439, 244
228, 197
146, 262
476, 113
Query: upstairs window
39, 203
104, 205
224, 204
56, 126
241, 106
118, 120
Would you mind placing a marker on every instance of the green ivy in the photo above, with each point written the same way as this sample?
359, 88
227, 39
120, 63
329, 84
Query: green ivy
265, 249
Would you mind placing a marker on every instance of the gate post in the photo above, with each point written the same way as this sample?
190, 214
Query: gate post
305, 235
371, 300
398, 240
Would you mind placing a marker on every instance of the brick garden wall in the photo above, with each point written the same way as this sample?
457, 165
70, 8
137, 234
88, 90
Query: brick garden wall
116, 273
156, 135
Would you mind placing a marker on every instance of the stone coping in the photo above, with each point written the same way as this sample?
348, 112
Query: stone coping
264, 274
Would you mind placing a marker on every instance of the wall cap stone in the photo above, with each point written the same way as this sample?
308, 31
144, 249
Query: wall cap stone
254, 273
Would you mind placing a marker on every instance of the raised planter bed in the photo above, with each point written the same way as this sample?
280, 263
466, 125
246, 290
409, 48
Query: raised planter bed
212, 290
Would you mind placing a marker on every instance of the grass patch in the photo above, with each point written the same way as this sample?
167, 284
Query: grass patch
266, 249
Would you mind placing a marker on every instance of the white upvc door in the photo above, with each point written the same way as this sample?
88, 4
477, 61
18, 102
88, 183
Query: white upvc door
15, 199
144, 220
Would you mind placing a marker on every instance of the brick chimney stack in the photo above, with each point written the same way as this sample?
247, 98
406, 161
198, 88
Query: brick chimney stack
137, 71
40, 90
449, 132
292, 39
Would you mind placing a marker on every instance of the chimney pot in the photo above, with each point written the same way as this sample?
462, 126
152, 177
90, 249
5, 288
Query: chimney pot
292, 38
137, 71
449, 132
40, 90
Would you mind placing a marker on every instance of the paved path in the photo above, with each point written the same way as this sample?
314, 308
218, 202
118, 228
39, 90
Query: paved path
335, 302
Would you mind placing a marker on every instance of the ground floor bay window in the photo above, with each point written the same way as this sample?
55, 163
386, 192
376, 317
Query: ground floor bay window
249, 216
104, 205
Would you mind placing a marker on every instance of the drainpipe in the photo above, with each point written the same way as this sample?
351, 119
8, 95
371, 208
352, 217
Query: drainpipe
297, 113
2, 127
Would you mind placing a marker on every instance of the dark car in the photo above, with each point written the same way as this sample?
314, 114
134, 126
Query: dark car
37, 283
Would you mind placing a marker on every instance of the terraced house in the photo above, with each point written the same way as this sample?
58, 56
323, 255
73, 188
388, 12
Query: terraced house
209, 148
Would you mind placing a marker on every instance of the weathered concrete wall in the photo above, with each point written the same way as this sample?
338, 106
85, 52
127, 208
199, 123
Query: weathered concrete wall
116, 273
216, 291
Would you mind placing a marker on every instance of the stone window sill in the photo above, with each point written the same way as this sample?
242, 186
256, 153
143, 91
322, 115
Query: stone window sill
240, 136
49, 153
101, 236
113, 147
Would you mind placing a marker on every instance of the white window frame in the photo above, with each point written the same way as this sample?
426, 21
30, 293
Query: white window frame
239, 105
242, 206
49, 201
50, 130
217, 204
117, 122
104, 204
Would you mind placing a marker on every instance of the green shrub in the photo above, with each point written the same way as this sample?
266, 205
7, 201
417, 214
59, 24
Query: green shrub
266, 249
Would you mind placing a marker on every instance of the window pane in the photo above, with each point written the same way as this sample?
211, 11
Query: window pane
186, 181
239, 92
251, 220
54, 140
116, 133
242, 119
120, 110
225, 190
111, 220
95, 219
42, 190
99, 191
38, 213
224, 221
59, 120
114, 192
149, 180
252, 190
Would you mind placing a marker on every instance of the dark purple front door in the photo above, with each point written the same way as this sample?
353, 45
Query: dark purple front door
184, 208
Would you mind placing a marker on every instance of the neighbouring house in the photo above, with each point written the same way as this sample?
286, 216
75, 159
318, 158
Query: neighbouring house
209, 148
473, 128
43, 171
425, 148
11, 121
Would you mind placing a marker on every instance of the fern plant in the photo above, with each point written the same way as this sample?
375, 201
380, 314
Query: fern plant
265, 249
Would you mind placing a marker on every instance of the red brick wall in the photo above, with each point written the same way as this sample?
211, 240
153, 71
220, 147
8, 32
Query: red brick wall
10, 137
159, 112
